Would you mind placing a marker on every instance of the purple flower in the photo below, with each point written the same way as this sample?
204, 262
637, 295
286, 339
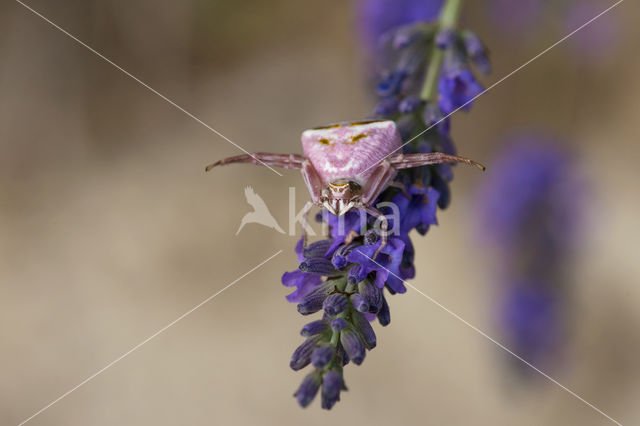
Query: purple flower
529, 209
386, 265
359, 303
335, 304
339, 324
532, 178
303, 281
302, 355
458, 87
477, 52
308, 389
353, 345
318, 266
331, 387
531, 315
371, 294
314, 327
364, 327
377, 17
322, 356
313, 301
420, 210
384, 315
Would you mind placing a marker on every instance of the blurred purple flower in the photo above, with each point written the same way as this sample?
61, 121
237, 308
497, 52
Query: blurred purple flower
598, 40
377, 17
530, 209
457, 86
531, 313
530, 183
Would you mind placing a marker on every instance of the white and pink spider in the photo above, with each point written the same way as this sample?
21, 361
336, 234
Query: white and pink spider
348, 165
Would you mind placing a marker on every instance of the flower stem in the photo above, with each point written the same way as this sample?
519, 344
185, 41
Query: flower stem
448, 19
335, 337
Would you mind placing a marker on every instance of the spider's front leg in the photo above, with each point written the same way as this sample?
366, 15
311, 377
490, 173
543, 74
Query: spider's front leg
407, 161
379, 179
314, 184
384, 226
286, 161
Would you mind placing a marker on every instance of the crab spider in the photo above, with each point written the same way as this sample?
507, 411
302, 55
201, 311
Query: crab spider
347, 166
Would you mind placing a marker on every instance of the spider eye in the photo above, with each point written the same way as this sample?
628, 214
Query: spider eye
324, 141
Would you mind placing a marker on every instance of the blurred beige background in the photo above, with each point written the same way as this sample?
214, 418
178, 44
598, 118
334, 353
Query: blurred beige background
110, 229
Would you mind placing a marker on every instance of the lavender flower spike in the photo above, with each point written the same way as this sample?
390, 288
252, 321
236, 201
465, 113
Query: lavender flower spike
426, 70
308, 389
331, 387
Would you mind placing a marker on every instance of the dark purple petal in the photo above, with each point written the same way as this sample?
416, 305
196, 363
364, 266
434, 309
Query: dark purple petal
313, 301
392, 84
372, 294
458, 88
322, 356
364, 327
339, 259
317, 249
335, 304
314, 327
342, 354
376, 17
359, 303
304, 283
302, 355
339, 324
308, 389
319, 266
332, 384
353, 345
477, 52
384, 316
388, 261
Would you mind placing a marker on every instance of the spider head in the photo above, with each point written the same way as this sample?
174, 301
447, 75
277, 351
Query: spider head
341, 196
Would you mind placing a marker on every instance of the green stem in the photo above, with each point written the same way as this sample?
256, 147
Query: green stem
335, 337
448, 19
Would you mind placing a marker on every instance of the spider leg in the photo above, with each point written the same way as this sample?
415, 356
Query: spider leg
287, 161
314, 184
377, 181
313, 181
401, 186
384, 225
407, 161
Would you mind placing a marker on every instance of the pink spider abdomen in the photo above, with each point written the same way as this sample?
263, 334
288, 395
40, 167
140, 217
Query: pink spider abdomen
350, 150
